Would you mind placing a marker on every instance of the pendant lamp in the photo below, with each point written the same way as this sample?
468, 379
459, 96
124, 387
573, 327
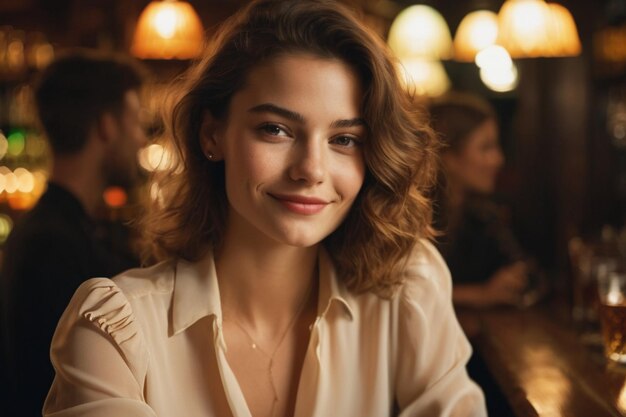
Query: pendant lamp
168, 29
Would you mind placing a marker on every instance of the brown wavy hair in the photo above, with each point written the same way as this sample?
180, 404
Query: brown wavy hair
391, 211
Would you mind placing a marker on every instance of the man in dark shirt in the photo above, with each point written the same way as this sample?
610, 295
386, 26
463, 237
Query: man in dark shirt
88, 104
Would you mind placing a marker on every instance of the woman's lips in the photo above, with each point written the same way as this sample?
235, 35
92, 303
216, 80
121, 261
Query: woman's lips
301, 204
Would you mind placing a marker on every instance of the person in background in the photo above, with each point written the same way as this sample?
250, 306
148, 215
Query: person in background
293, 282
89, 106
488, 267
487, 264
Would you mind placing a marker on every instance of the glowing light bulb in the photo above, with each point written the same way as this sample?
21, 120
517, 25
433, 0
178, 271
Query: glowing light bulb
497, 70
165, 21
493, 56
499, 79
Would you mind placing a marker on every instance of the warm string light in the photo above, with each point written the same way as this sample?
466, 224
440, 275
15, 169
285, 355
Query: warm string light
21, 188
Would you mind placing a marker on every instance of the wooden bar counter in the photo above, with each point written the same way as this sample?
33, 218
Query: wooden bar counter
543, 366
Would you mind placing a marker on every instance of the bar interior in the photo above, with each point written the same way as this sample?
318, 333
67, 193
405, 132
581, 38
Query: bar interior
552, 73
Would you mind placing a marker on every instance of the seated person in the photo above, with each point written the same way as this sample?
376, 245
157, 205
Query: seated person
486, 262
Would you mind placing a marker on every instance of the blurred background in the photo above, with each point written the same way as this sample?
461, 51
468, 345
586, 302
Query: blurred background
555, 72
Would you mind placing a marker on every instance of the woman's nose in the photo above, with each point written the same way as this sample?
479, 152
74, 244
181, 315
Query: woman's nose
308, 163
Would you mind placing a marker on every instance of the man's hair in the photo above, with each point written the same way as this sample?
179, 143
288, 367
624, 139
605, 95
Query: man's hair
391, 211
76, 89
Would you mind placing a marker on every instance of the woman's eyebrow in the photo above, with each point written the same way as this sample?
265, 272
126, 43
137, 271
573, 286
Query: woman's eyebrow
345, 123
297, 117
280, 111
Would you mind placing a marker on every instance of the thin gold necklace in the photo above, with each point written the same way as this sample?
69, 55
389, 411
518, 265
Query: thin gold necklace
270, 357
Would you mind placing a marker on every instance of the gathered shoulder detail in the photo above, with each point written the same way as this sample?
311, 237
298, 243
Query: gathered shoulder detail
104, 304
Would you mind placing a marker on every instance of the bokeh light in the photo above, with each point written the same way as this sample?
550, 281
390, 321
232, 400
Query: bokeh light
115, 197
154, 157
3, 181
424, 77
25, 180
41, 180
497, 70
156, 194
4, 145
11, 183
165, 21
493, 56
16, 142
6, 225
35, 146
499, 79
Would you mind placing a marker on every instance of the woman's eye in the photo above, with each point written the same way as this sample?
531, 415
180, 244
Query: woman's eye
272, 129
346, 141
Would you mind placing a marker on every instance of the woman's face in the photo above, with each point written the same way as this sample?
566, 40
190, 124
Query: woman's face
292, 148
476, 165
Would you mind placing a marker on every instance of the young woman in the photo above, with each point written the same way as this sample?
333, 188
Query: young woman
483, 255
298, 279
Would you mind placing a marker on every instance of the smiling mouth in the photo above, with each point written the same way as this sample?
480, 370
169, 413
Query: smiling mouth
300, 204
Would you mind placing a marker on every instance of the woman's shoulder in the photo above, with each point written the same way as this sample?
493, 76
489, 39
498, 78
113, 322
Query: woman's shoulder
141, 282
425, 271
424, 260
101, 304
109, 303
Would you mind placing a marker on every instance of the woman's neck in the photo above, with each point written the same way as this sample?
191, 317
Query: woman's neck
264, 284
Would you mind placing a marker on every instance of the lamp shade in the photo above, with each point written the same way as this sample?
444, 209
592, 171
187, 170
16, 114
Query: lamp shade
523, 28
420, 32
564, 40
166, 30
477, 31
424, 77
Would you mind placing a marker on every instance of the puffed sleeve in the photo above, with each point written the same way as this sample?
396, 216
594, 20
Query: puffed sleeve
432, 350
99, 357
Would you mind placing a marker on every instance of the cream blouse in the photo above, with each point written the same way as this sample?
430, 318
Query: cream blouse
144, 344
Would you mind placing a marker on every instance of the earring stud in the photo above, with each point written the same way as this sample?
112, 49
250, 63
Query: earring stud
210, 155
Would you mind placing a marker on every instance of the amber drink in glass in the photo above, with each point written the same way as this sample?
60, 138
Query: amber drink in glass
612, 292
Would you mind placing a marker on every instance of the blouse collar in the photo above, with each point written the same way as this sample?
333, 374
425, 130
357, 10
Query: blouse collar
196, 291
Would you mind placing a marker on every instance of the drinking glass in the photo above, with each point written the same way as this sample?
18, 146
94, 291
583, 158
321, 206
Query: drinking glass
612, 295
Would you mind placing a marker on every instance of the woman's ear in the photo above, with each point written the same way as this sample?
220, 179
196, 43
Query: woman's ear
211, 146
